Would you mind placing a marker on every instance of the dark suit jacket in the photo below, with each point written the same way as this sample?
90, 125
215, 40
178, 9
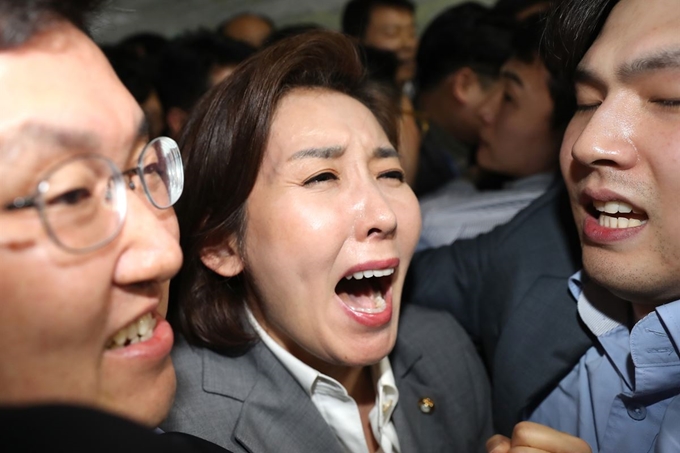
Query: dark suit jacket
70, 429
508, 289
251, 403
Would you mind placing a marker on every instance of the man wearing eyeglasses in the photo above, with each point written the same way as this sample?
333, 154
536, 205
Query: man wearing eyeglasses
88, 244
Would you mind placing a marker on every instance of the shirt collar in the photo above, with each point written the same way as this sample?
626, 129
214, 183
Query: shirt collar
386, 389
651, 344
599, 309
602, 312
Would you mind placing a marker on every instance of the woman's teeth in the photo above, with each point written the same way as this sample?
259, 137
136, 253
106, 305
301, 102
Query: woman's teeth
371, 273
137, 331
360, 306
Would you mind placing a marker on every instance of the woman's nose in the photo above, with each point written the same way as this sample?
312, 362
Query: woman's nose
375, 216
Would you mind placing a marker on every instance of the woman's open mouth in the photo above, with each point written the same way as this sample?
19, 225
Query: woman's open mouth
365, 291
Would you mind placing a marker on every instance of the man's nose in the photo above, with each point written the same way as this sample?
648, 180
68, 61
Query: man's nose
150, 238
606, 139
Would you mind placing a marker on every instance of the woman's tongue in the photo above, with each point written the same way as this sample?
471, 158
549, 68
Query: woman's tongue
363, 296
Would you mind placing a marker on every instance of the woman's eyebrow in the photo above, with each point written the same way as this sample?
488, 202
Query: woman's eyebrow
329, 152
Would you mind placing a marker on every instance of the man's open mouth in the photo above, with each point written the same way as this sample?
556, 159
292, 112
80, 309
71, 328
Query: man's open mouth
137, 331
617, 214
365, 291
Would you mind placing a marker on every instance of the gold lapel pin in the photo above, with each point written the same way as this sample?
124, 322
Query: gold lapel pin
426, 405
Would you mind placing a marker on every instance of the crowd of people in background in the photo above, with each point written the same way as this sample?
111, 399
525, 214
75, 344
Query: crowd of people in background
464, 110
260, 238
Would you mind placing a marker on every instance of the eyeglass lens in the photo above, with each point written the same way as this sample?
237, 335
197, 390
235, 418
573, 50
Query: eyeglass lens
83, 201
160, 166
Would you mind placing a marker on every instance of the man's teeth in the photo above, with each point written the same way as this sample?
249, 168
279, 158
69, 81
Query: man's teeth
371, 273
616, 207
612, 207
619, 222
137, 331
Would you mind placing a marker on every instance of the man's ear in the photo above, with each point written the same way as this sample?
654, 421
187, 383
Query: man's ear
464, 85
223, 258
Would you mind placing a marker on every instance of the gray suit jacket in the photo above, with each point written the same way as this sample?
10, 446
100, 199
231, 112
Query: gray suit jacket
508, 289
250, 403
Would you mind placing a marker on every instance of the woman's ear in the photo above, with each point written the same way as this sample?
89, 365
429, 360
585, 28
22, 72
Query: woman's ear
223, 258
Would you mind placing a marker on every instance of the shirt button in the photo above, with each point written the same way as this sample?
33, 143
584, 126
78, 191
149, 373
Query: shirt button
637, 411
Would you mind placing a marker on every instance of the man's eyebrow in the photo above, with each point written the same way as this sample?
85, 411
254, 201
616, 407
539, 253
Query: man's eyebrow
665, 59
512, 76
329, 152
61, 138
57, 139
583, 75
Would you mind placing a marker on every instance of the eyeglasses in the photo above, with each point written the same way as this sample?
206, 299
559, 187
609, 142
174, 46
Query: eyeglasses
82, 201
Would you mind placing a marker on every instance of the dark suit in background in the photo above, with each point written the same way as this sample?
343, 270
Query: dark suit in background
71, 429
508, 289
251, 403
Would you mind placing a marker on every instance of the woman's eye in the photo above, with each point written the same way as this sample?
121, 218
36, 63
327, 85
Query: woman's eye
394, 174
321, 177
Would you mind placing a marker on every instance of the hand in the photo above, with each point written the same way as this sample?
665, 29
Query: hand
528, 437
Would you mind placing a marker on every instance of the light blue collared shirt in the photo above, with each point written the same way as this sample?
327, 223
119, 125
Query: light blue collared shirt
618, 394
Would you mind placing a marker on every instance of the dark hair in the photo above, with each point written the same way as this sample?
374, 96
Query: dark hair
290, 30
466, 35
357, 14
20, 20
572, 27
185, 65
512, 7
526, 45
223, 144
144, 44
135, 72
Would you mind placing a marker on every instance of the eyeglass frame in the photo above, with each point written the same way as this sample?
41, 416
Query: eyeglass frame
36, 199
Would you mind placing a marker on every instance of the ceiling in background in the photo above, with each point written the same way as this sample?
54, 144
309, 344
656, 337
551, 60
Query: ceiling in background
170, 17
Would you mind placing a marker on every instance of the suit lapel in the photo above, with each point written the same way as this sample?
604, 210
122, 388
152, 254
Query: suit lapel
275, 408
542, 340
414, 428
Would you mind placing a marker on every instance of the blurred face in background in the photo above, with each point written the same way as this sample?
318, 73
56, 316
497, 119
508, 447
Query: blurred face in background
248, 28
394, 29
517, 137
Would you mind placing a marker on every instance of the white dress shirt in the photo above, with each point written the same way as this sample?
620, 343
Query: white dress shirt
460, 211
337, 407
